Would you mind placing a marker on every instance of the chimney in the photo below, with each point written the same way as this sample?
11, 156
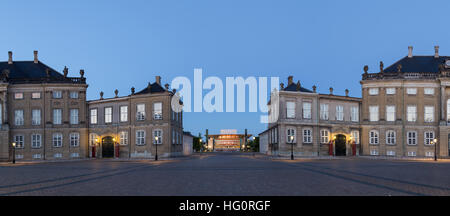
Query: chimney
436, 51
36, 57
290, 80
10, 57
132, 90
65, 71
331, 90
314, 88
410, 50
82, 73
158, 80
346, 92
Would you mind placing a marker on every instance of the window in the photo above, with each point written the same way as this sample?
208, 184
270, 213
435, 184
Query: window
390, 91
324, 111
290, 109
390, 137
57, 94
75, 155
324, 136
108, 114
306, 110
412, 154
157, 110
411, 113
18, 117
19, 140
373, 113
390, 153
37, 156
374, 137
57, 155
140, 114
74, 139
36, 141
340, 113
428, 137
93, 116
374, 152
124, 113
93, 139
290, 135
354, 114
140, 137
157, 136
57, 116
123, 138
448, 110
429, 91
411, 91
36, 117
429, 114
173, 137
36, 95
429, 154
307, 136
74, 116
390, 113
411, 138
57, 140
355, 136
74, 94
18, 96
373, 91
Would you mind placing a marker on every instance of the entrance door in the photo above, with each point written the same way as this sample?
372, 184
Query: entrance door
107, 147
340, 145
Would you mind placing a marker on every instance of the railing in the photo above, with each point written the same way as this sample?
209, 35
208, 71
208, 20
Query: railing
407, 75
75, 80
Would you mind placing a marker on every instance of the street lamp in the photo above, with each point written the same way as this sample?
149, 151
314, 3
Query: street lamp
435, 149
291, 141
156, 143
14, 152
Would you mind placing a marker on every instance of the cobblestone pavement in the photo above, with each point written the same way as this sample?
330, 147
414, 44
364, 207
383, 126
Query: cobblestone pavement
227, 174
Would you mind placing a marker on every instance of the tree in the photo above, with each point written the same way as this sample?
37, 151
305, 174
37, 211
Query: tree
253, 144
197, 143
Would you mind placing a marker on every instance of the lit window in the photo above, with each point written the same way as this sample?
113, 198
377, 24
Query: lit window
412, 138
373, 91
140, 114
390, 91
290, 109
390, 137
324, 136
411, 91
93, 139
18, 96
324, 111
108, 114
35, 95
411, 113
123, 138
355, 136
307, 136
157, 111
373, 113
93, 116
374, 137
124, 113
429, 114
390, 113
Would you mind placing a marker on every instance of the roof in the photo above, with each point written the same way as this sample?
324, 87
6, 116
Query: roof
30, 72
293, 87
152, 88
418, 64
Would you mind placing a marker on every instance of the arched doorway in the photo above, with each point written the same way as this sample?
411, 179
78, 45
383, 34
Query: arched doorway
107, 147
340, 145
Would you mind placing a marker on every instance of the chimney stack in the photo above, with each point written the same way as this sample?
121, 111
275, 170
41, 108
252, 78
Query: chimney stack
10, 57
436, 51
314, 88
290, 80
36, 57
331, 90
346, 92
158, 80
410, 50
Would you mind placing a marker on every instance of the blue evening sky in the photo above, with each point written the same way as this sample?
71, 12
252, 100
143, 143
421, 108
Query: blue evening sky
122, 44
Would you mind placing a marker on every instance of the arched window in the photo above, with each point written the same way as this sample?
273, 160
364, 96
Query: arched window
374, 137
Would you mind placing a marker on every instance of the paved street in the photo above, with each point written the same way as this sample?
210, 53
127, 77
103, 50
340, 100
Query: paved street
227, 174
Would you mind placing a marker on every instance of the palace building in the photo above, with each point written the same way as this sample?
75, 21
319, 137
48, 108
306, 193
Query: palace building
227, 141
46, 115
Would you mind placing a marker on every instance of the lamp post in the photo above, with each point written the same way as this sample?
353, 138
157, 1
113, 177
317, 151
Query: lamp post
291, 139
14, 153
435, 149
156, 143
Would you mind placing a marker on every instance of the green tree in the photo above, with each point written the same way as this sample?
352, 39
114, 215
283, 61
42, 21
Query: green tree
253, 144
